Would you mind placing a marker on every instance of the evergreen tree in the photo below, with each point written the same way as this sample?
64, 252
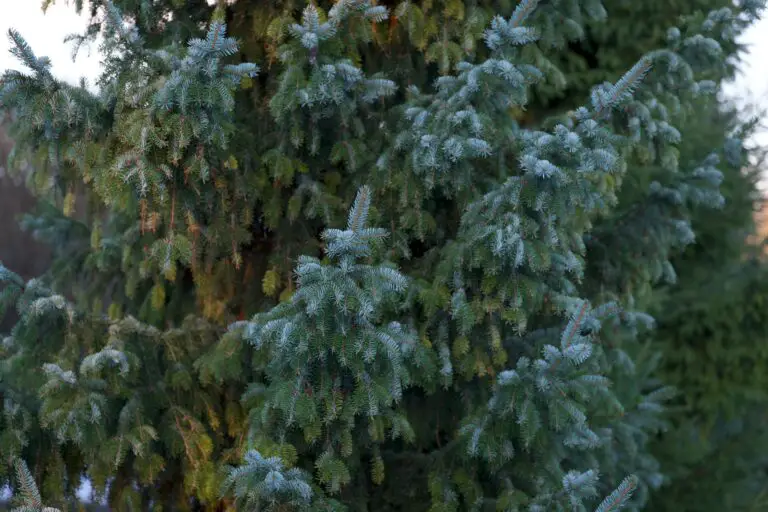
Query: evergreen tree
703, 316
29, 495
711, 331
486, 348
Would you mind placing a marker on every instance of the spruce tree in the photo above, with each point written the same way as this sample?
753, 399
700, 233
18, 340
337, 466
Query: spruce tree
713, 311
711, 328
29, 496
209, 336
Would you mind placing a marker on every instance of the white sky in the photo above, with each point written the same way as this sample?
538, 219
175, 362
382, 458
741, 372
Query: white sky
751, 85
45, 33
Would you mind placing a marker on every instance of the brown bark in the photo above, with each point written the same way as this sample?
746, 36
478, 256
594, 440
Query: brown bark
18, 250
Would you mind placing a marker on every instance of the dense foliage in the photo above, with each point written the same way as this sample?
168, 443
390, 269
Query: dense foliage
360, 257
711, 332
